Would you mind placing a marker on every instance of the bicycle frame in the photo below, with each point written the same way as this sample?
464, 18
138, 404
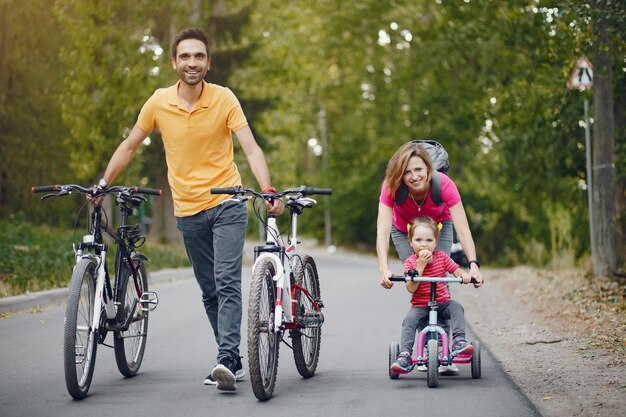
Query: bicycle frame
104, 290
285, 292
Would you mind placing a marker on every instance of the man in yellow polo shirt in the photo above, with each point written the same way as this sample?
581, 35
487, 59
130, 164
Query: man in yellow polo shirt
196, 120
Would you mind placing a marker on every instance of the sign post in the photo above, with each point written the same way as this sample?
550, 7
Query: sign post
582, 79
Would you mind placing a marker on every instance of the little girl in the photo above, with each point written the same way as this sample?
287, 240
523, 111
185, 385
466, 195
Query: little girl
428, 262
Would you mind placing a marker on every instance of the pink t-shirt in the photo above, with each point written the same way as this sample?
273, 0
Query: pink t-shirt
438, 267
406, 212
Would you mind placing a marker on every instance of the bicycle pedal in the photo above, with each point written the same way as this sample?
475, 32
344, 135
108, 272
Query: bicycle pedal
312, 319
149, 301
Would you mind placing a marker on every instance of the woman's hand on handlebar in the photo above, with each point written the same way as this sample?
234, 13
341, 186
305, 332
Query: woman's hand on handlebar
475, 273
384, 278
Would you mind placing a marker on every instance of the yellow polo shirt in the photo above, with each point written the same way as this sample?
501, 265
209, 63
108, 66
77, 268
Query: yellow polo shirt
198, 143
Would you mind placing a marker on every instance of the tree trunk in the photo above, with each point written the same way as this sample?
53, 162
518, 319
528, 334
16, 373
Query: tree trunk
603, 198
5, 50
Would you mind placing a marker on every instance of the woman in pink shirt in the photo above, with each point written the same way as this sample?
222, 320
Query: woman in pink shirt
411, 169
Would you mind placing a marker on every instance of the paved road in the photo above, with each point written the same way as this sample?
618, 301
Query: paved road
361, 320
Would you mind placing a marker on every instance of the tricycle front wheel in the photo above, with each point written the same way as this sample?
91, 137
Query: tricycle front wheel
433, 363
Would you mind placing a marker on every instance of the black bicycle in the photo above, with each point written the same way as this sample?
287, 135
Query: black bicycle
95, 305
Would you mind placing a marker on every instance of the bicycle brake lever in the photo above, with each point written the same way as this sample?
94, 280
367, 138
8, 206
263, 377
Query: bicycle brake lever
59, 194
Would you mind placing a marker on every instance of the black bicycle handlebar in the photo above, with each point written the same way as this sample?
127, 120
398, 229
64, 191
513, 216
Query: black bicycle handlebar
303, 190
94, 191
45, 188
417, 278
227, 190
150, 191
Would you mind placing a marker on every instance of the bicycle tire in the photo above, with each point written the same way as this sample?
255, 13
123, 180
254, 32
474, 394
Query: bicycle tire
394, 351
130, 345
433, 363
475, 363
306, 340
263, 341
79, 338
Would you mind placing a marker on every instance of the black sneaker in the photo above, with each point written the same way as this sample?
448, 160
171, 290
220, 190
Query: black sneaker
224, 374
239, 374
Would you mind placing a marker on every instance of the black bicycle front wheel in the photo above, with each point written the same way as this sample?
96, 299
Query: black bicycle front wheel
130, 344
263, 340
79, 339
307, 338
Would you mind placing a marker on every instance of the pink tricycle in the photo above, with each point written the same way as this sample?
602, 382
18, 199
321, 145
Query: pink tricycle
433, 347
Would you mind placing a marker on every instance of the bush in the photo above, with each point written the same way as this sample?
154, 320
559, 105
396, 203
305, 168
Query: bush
35, 258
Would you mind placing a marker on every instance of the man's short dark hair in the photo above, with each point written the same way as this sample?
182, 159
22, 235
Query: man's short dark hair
190, 33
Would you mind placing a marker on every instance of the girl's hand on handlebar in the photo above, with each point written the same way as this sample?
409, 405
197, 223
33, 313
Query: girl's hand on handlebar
467, 278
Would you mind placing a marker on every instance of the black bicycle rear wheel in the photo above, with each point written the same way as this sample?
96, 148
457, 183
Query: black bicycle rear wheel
263, 341
307, 338
79, 339
130, 344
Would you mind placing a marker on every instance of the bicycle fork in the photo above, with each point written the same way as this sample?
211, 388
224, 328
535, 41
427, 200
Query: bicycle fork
102, 297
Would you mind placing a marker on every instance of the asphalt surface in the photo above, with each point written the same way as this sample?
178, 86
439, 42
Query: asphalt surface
352, 379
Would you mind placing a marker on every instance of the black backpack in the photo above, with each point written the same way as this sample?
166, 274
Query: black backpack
439, 156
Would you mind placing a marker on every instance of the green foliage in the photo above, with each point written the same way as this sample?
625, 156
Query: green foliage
31, 129
485, 78
36, 258
33, 258
112, 65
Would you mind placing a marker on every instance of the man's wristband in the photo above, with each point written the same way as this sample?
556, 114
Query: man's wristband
269, 190
474, 261
103, 183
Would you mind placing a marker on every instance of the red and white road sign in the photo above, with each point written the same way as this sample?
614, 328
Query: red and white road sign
582, 75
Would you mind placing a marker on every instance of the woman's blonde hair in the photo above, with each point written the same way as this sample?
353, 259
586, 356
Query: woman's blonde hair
423, 221
400, 160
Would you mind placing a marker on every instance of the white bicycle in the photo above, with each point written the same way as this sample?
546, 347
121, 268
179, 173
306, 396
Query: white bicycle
284, 292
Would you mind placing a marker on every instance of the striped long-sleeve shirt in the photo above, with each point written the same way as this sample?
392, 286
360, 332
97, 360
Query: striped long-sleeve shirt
438, 267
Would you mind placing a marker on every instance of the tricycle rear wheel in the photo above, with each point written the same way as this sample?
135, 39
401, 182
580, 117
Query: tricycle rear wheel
394, 351
476, 371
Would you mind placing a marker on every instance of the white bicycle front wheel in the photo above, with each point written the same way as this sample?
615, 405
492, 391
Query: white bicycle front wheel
263, 340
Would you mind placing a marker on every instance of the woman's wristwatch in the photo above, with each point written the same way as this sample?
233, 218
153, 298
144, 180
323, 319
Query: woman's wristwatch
474, 261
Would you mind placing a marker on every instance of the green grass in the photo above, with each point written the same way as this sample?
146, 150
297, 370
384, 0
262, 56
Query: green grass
35, 258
